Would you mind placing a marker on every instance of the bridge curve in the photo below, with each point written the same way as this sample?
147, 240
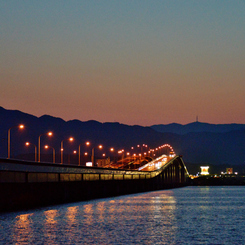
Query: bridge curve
30, 184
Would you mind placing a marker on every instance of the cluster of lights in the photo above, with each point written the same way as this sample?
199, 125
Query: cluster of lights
155, 164
155, 150
144, 153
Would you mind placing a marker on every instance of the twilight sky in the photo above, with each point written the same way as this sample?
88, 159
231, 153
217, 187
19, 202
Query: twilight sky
139, 62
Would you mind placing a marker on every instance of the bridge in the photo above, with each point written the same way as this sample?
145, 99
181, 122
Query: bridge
26, 184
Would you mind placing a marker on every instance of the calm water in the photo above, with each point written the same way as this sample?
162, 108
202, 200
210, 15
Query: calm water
191, 215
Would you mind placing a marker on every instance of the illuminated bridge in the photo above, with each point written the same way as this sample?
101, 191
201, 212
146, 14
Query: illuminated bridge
26, 184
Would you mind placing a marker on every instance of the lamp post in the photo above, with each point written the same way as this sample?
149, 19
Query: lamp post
70, 156
62, 149
121, 152
74, 153
112, 150
114, 158
39, 144
46, 147
21, 126
92, 157
27, 144
79, 152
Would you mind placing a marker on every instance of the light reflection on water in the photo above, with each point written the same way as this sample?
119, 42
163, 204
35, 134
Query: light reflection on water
22, 228
192, 215
50, 225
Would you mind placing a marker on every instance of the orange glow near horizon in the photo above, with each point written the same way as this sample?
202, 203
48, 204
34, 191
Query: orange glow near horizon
115, 88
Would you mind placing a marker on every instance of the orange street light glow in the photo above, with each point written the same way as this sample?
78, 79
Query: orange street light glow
28, 144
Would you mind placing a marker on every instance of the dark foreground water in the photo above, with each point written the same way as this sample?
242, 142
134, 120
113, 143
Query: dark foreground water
191, 215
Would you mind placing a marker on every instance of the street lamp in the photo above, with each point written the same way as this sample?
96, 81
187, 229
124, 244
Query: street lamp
114, 158
27, 144
121, 152
92, 157
79, 152
46, 147
70, 156
62, 149
21, 126
39, 145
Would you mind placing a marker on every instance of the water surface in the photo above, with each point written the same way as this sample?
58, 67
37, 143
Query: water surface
190, 215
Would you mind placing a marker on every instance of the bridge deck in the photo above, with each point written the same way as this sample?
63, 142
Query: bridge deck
31, 184
24, 171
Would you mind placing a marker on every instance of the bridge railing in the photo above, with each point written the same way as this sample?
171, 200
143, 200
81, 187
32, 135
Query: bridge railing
17, 171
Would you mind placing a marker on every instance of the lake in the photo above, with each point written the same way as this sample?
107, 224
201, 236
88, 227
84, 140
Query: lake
190, 215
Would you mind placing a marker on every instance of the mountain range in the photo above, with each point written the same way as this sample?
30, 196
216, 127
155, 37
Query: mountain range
217, 145
197, 127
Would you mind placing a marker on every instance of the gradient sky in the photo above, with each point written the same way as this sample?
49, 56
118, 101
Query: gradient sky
139, 62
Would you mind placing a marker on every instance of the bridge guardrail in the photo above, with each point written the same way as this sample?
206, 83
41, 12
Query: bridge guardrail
18, 171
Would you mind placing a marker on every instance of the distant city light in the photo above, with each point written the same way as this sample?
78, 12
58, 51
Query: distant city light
204, 170
229, 170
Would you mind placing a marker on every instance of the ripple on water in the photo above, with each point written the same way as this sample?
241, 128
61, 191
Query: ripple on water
191, 215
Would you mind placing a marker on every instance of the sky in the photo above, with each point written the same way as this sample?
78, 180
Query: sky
137, 62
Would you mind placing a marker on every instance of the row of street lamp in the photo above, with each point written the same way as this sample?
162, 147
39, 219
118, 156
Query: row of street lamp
62, 150
38, 150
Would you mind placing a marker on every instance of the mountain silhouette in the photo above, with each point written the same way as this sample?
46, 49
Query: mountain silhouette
197, 127
199, 143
